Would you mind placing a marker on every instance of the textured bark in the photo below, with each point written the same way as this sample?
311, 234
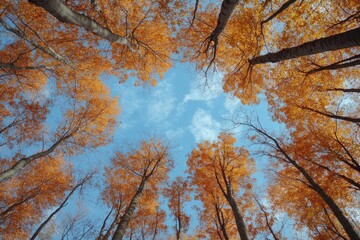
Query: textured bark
64, 14
239, 220
227, 8
7, 174
240, 224
283, 7
125, 219
345, 90
343, 40
112, 225
345, 223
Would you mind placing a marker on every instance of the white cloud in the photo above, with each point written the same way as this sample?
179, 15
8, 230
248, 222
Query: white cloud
174, 133
204, 92
161, 103
231, 104
204, 127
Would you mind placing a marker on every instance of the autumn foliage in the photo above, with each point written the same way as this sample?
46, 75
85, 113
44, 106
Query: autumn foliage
56, 109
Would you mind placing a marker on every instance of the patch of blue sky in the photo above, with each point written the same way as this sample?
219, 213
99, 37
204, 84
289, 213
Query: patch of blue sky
180, 109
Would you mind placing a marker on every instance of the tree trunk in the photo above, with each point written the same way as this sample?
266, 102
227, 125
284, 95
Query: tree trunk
283, 7
345, 223
220, 219
227, 8
331, 115
63, 204
240, 224
227, 193
125, 219
64, 14
7, 174
347, 39
330, 202
345, 90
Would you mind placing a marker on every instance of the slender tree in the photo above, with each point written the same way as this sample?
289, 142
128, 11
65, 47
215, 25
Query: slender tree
230, 170
309, 181
143, 169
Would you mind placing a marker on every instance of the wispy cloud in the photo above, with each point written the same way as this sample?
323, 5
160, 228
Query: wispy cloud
231, 104
204, 92
204, 127
161, 103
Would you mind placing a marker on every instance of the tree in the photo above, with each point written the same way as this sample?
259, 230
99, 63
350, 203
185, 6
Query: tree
23, 205
80, 184
217, 221
139, 35
87, 123
306, 179
148, 222
230, 170
246, 36
178, 193
134, 174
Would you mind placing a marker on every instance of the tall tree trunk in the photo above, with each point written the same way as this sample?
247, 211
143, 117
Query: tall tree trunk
240, 223
330, 202
63, 204
283, 7
65, 14
346, 39
125, 219
220, 219
7, 174
227, 8
345, 90
345, 223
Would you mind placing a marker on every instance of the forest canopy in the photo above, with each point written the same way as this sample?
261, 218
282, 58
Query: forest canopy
296, 178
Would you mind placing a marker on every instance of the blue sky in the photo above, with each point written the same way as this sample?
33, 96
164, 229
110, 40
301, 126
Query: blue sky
181, 109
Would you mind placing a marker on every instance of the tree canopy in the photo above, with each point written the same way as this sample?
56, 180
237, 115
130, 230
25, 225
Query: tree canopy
58, 64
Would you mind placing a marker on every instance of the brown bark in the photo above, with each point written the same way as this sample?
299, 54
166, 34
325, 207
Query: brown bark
125, 219
227, 8
65, 14
345, 90
339, 41
227, 192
